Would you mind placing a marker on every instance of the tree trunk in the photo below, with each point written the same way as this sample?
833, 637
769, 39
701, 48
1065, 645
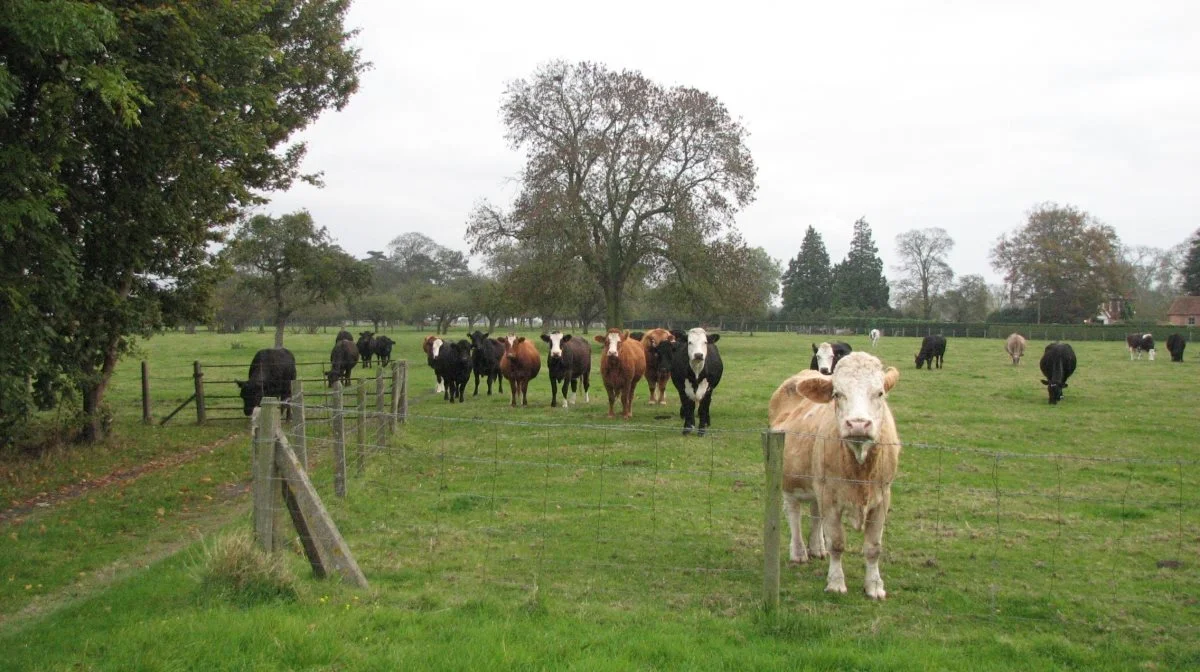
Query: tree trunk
92, 391
280, 323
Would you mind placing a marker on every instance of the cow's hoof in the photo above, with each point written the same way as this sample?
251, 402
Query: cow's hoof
554, 404
836, 588
876, 592
799, 560
687, 430
701, 431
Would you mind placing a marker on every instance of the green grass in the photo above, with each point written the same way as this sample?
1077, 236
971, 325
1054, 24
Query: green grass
1022, 535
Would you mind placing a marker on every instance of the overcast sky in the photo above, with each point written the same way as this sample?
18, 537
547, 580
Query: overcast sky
916, 114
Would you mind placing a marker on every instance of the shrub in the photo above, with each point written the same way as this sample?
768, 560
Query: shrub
234, 569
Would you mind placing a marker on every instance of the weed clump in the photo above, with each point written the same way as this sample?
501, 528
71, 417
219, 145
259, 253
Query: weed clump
234, 569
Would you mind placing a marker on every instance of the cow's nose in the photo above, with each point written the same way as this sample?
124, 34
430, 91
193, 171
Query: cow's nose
698, 357
858, 427
825, 371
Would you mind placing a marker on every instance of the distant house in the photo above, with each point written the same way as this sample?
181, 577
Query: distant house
1184, 311
1112, 311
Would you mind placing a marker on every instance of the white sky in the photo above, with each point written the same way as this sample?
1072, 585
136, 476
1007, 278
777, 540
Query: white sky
913, 114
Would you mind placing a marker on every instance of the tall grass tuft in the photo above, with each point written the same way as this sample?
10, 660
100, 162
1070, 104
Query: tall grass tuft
233, 569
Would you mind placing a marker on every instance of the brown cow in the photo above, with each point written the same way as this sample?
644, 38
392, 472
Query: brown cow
622, 365
519, 365
658, 369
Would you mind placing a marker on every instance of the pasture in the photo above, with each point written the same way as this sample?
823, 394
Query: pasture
1021, 535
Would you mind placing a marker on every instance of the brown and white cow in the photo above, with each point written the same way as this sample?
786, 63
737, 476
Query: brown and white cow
1015, 347
841, 455
622, 365
519, 365
432, 346
1139, 343
658, 368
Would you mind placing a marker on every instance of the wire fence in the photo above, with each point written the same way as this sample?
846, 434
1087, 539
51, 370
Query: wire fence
640, 517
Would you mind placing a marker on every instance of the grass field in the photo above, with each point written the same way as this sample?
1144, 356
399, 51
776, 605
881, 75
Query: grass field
1022, 535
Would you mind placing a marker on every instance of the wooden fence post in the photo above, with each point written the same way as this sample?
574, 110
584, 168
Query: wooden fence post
265, 473
394, 406
339, 442
198, 378
773, 442
146, 418
299, 422
380, 421
361, 426
400, 403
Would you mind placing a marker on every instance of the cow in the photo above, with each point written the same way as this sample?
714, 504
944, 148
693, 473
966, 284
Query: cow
840, 455
519, 365
381, 346
453, 365
569, 361
431, 346
271, 374
343, 335
932, 348
875, 334
1175, 346
658, 369
485, 361
365, 347
1057, 365
622, 365
1015, 347
342, 359
696, 370
1139, 343
827, 355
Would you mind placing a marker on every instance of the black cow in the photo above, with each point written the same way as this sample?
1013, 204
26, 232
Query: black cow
570, 361
485, 361
696, 371
343, 335
1057, 365
342, 359
271, 374
381, 346
1139, 343
365, 347
932, 348
827, 355
453, 365
1175, 346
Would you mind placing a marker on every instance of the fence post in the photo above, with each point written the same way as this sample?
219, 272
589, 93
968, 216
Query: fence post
380, 421
339, 442
146, 419
198, 378
401, 402
361, 426
265, 472
773, 497
299, 422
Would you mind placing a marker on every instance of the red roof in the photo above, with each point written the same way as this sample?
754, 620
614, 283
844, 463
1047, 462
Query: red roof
1185, 305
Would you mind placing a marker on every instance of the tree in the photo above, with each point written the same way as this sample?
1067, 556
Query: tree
858, 282
133, 134
1191, 267
619, 172
415, 257
378, 307
1151, 273
967, 300
923, 267
808, 282
292, 264
738, 282
1062, 262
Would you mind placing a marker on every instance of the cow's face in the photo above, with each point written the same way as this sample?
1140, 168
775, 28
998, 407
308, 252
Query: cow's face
858, 389
251, 396
697, 346
824, 356
510, 345
435, 347
1055, 390
555, 339
479, 339
612, 342
664, 352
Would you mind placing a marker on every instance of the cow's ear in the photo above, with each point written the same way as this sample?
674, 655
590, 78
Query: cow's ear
1045, 382
890, 377
816, 388
600, 338
240, 384
679, 335
713, 338
520, 339
1064, 385
546, 337
814, 348
637, 335
565, 338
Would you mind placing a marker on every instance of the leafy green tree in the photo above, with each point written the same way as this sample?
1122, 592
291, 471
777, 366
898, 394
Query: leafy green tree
292, 264
807, 283
924, 270
1191, 267
237, 307
132, 135
618, 169
967, 300
737, 282
1062, 261
858, 281
379, 307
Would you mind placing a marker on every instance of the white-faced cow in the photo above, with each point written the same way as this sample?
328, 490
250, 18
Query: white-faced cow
432, 345
1057, 365
827, 355
1015, 347
1175, 345
696, 370
365, 347
1139, 343
622, 365
875, 334
569, 362
342, 359
841, 455
520, 364
933, 348
485, 361
271, 374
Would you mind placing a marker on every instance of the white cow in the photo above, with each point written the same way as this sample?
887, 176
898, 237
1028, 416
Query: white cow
875, 334
1015, 347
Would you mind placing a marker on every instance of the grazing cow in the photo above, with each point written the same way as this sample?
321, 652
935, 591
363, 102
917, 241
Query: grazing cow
932, 348
342, 359
365, 347
658, 369
1175, 346
570, 360
1139, 343
841, 455
431, 346
519, 365
1057, 365
622, 365
826, 356
1015, 347
485, 361
382, 347
453, 365
696, 370
875, 334
271, 374
343, 335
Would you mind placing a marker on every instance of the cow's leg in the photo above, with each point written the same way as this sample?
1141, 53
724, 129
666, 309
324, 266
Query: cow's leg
831, 521
705, 403
797, 553
873, 547
441, 386
612, 398
512, 387
688, 411
816, 531
554, 392
587, 382
477, 385
627, 400
574, 389
525, 392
